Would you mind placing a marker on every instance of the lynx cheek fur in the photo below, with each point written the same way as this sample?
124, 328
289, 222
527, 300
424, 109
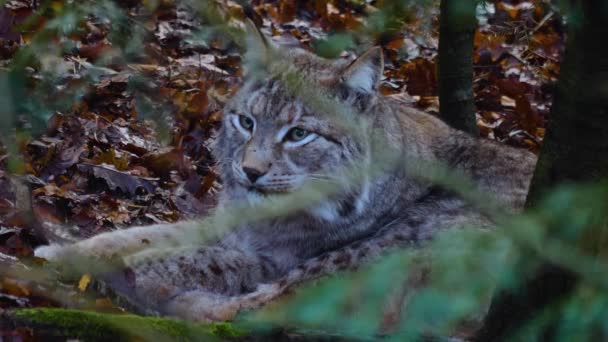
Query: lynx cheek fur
273, 142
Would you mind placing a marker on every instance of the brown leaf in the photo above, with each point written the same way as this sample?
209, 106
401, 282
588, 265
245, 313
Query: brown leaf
117, 180
287, 11
109, 157
15, 287
94, 51
528, 117
199, 102
489, 42
163, 162
84, 282
7, 20
420, 76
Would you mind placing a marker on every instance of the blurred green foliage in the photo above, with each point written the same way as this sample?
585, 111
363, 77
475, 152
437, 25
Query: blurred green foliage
467, 265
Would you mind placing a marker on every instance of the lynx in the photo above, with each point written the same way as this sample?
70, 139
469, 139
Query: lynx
276, 142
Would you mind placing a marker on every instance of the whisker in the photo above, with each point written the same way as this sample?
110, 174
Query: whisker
326, 180
321, 176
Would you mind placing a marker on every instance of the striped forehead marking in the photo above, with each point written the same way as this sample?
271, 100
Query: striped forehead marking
291, 112
267, 100
256, 103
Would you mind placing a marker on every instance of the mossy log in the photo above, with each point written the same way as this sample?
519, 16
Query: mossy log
92, 326
60, 324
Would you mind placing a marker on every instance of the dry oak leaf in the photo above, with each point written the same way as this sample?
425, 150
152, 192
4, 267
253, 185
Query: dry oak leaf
126, 182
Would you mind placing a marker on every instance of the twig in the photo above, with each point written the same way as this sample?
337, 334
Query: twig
542, 22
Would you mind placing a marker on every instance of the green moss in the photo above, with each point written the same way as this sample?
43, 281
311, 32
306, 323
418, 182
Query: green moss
92, 326
225, 331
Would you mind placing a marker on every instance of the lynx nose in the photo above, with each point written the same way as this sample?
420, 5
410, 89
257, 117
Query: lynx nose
252, 174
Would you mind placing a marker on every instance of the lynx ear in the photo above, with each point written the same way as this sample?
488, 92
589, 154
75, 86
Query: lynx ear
365, 72
257, 45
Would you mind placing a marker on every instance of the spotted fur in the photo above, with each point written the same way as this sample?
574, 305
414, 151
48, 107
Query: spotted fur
382, 209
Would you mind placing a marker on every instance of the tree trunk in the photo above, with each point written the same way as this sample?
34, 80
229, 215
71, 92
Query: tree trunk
456, 33
575, 150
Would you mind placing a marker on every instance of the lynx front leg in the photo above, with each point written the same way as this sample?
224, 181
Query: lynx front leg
124, 242
346, 258
198, 279
202, 306
205, 306
400, 234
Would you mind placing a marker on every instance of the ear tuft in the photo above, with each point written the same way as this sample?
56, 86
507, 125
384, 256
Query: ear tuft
257, 44
364, 73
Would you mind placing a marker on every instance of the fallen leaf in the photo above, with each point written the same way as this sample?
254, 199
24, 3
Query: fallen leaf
115, 180
84, 282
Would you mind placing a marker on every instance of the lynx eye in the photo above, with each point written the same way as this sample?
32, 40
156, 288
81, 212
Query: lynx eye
297, 134
246, 122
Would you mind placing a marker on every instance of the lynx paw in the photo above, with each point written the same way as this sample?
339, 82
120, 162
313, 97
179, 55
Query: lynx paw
50, 253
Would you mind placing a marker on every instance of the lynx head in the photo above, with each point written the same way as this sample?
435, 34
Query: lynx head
273, 140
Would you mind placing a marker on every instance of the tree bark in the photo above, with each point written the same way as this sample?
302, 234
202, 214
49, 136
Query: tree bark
575, 150
457, 25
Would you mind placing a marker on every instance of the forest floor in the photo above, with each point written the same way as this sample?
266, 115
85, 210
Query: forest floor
116, 157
